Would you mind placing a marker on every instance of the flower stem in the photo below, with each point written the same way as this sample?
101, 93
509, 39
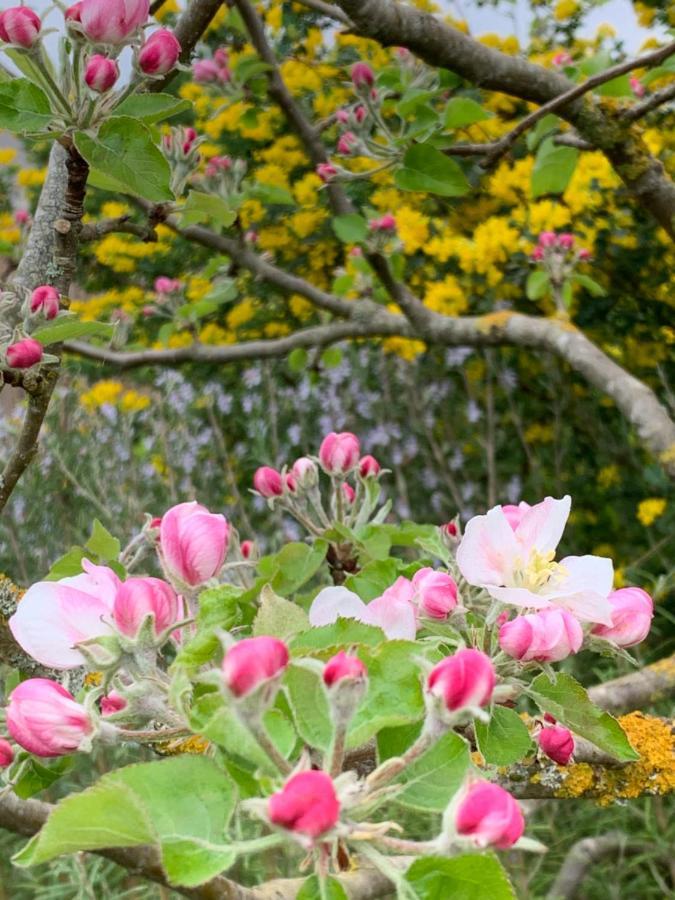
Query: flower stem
257, 729
337, 750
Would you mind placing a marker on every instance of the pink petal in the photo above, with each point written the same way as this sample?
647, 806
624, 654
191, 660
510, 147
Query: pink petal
488, 549
542, 526
394, 615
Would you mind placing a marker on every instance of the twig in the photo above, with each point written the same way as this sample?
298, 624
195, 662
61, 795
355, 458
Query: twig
327, 9
658, 98
95, 230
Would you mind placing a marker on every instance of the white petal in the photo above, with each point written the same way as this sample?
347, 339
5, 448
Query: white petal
488, 550
542, 525
332, 602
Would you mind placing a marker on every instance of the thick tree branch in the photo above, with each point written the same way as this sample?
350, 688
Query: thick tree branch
658, 98
637, 690
327, 9
581, 857
438, 44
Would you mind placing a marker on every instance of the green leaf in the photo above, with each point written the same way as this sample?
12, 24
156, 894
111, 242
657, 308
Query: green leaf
469, 877
217, 610
181, 805
567, 701
617, 87
344, 632
434, 778
270, 194
67, 328
373, 579
67, 565
537, 284
152, 108
298, 359
427, 170
503, 740
293, 565
597, 290
38, 776
311, 890
309, 705
350, 229
412, 99
24, 107
331, 357
216, 720
394, 691
541, 130
201, 207
102, 543
248, 67
463, 111
123, 158
279, 617
553, 168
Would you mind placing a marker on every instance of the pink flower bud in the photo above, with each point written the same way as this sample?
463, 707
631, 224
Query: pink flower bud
159, 54
112, 21
436, 593
566, 240
307, 804
362, 75
347, 142
326, 172
466, 679
218, 164
101, 73
290, 483
632, 612
342, 116
222, 56
545, 636
6, 753
22, 217
342, 665
112, 703
268, 482
193, 542
636, 86
164, 285
537, 254
369, 467
138, 598
557, 743
562, 58
252, 662
73, 13
450, 529
45, 299
20, 25
24, 353
348, 492
356, 251
305, 471
386, 223
489, 816
206, 71
247, 548
339, 452
360, 113
584, 253
45, 719
548, 239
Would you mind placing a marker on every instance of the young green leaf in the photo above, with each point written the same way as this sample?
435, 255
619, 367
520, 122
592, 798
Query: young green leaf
537, 284
152, 108
469, 877
503, 740
426, 169
433, 779
463, 111
279, 617
24, 107
351, 228
553, 168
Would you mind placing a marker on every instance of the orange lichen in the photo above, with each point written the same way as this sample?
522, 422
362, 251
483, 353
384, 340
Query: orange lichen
653, 773
195, 744
495, 320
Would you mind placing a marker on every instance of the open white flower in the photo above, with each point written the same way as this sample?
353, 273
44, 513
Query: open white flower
510, 552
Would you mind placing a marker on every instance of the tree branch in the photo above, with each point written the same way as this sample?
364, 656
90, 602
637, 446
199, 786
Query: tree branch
581, 857
440, 45
95, 230
637, 690
327, 9
658, 98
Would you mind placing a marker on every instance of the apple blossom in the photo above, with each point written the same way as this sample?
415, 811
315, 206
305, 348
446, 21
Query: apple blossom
546, 636
326, 172
20, 25
362, 75
112, 21
307, 804
436, 593
348, 492
54, 616
247, 548
193, 542
517, 565
339, 452
138, 598
393, 612
489, 816
112, 703
45, 299
305, 471
24, 353
45, 719
268, 482
347, 143
631, 615
159, 54
369, 467
252, 662
101, 73
464, 680
557, 743
6, 753
163, 284
342, 666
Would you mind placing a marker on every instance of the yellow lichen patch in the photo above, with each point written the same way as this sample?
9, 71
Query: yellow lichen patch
653, 773
93, 679
194, 744
495, 320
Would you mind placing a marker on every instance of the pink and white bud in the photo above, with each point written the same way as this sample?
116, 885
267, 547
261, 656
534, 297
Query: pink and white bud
112, 21
45, 299
557, 743
489, 816
466, 679
247, 548
545, 636
112, 703
164, 285
346, 143
537, 254
6, 753
73, 13
138, 598
339, 453
562, 58
290, 483
386, 224
362, 75
306, 805
566, 240
348, 492
632, 612
305, 472
636, 86
20, 25
206, 71
326, 172
45, 719
218, 164
342, 116
342, 666
369, 467
22, 217
193, 542
159, 54
548, 239
101, 73
268, 482
222, 56
360, 114
253, 662
436, 593
584, 254
24, 353
450, 530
